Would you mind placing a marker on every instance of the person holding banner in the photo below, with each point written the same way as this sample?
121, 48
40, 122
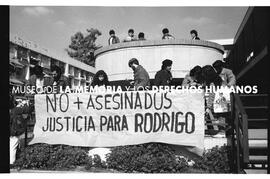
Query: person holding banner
58, 78
164, 76
141, 77
210, 79
227, 76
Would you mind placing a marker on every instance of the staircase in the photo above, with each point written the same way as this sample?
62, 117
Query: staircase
256, 108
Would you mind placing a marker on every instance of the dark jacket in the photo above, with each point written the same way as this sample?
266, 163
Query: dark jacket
163, 78
33, 79
63, 81
17, 121
115, 40
141, 78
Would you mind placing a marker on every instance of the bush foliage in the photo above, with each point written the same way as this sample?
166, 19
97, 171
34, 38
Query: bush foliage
146, 158
52, 157
215, 160
143, 158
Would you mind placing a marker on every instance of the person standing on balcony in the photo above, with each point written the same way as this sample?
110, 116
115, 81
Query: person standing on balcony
130, 37
227, 76
141, 77
194, 35
141, 36
38, 79
58, 78
164, 76
166, 34
113, 38
100, 79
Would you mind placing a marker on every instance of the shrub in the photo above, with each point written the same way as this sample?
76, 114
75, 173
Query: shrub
52, 157
146, 158
214, 161
98, 163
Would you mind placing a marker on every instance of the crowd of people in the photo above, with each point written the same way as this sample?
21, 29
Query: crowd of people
209, 75
131, 36
217, 75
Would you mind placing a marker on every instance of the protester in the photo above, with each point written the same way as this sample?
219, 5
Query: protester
194, 77
130, 37
166, 34
164, 76
37, 79
141, 77
18, 115
58, 78
194, 35
100, 79
227, 76
113, 38
211, 79
141, 36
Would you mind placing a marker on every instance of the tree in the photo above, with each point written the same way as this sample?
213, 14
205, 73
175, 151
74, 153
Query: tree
82, 46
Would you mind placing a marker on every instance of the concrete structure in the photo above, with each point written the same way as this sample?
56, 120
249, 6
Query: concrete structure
25, 54
185, 54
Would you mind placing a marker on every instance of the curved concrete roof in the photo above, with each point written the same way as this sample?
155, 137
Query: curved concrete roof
146, 43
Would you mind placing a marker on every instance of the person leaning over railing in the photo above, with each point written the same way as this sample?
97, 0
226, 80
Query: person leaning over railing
141, 77
210, 79
194, 77
227, 76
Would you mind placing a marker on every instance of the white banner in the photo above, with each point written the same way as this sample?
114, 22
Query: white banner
115, 119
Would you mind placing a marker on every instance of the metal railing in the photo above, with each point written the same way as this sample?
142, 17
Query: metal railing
239, 135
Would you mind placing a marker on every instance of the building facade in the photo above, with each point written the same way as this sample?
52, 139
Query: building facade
24, 55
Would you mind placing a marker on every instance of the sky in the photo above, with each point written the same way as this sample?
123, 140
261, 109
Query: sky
52, 26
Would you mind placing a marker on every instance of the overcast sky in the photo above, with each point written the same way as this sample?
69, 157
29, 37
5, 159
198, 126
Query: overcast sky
51, 27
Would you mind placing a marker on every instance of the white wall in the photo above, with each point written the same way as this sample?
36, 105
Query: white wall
115, 62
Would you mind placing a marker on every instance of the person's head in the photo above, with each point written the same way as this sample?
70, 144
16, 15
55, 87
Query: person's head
166, 65
56, 72
112, 33
38, 71
133, 63
218, 66
196, 73
141, 35
209, 76
131, 32
100, 78
193, 33
165, 31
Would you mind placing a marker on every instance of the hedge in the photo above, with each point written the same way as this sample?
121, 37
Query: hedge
143, 158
